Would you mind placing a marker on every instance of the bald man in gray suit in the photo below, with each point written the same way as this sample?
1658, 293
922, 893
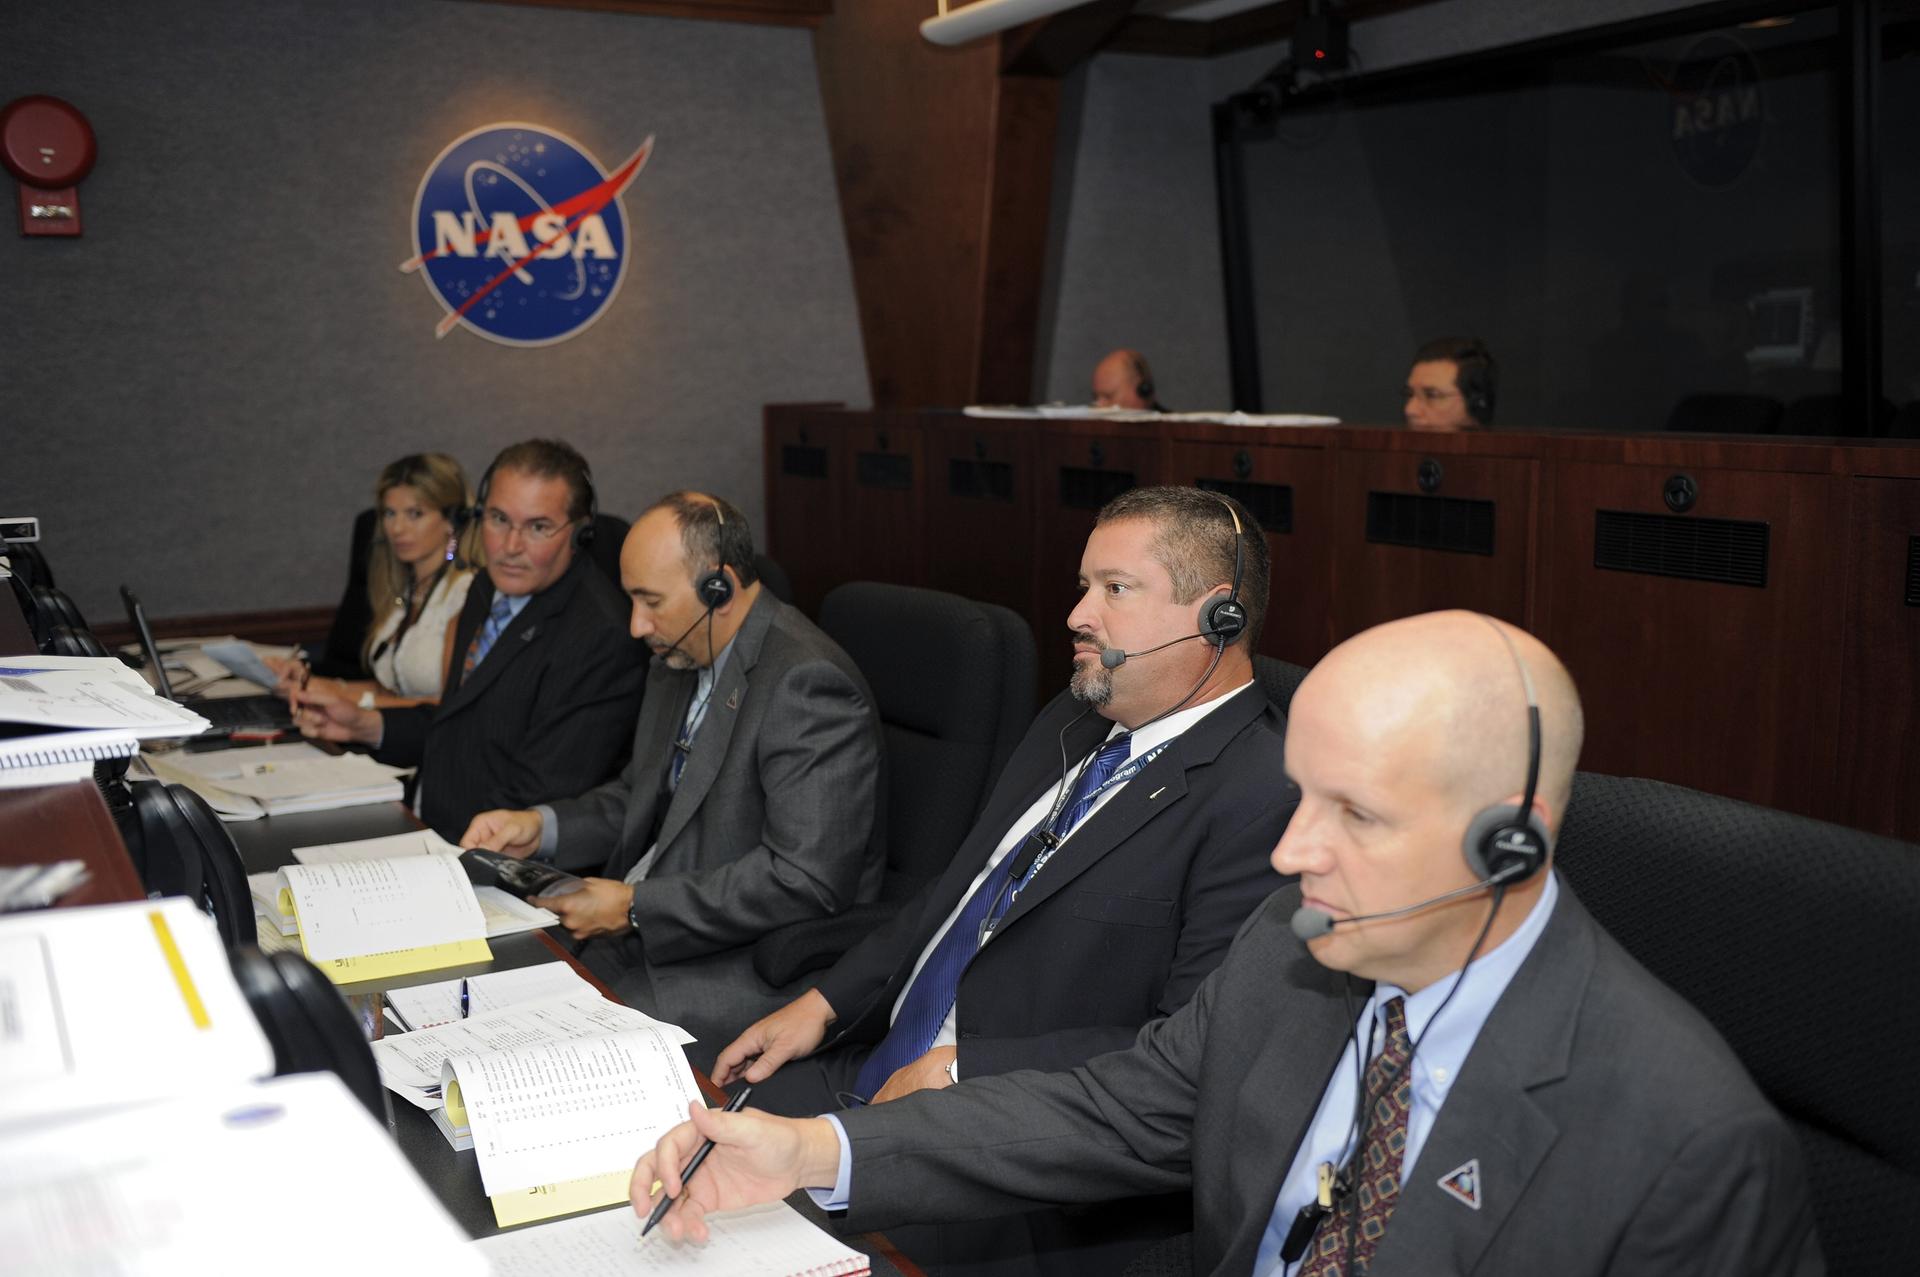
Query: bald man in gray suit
753, 798
1514, 1095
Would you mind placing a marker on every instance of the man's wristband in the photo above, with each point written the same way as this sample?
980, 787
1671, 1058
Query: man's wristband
633, 914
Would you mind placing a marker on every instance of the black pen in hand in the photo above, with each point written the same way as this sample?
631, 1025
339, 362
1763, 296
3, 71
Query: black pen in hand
661, 1207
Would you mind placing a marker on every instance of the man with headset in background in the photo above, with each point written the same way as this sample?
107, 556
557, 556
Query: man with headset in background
543, 683
1451, 386
1424, 1058
1122, 379
1123, 845
753, 796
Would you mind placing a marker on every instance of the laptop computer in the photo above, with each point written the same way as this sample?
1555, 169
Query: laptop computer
229, 714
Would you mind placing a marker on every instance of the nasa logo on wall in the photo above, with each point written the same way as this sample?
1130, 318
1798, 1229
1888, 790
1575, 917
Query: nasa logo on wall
1719, 113
520, 234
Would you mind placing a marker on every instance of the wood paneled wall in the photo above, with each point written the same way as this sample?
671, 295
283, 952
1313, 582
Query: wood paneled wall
1793, 682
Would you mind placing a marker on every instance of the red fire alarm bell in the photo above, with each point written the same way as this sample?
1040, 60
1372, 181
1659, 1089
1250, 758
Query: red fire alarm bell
48, 145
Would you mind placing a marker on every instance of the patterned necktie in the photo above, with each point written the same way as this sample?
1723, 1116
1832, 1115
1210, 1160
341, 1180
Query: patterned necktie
489, 631
1371, 1201
926, 1005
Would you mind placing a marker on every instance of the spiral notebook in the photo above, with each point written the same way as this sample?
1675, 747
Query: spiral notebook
773, 1240
52, 758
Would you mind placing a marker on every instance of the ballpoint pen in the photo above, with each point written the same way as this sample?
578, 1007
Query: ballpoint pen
463, 1000
661, 1207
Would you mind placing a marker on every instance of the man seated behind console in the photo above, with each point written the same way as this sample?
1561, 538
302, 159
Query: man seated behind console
543, 681
1515, 1094
752, 797
1109, 891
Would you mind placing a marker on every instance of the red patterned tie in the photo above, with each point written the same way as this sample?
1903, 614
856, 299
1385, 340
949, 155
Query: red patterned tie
1371, 1201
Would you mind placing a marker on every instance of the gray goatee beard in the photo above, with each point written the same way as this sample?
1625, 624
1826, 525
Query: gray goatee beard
1092, 684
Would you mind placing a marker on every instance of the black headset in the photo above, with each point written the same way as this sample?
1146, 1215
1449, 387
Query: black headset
1505, 841
582, 535
716, 587
1223, 620
1143, 380
1473, 375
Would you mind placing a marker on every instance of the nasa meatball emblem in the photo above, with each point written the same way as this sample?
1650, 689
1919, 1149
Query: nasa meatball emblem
520, 234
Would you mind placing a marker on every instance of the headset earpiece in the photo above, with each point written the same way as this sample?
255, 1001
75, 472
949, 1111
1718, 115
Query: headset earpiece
1508, 840
1223, 620
583, 535
715, 589
1502, 842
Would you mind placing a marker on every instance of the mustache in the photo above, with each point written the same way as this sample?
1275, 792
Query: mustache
1081, 637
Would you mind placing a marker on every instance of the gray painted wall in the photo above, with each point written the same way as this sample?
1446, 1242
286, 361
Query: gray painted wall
1136, 242
196, 395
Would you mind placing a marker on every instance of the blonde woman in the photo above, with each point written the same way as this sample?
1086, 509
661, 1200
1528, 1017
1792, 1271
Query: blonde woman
420, 563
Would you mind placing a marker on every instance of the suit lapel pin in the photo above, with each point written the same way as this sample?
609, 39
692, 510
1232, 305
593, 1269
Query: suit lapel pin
1156, 793
1463, 1183
530, 632
733, 699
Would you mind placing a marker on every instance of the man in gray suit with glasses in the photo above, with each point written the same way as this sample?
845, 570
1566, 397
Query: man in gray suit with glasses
1426, 1058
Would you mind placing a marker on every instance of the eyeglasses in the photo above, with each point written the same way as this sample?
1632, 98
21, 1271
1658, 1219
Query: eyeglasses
1432, 394
535, 530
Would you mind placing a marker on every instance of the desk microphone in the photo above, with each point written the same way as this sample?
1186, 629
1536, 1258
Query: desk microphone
1311, 924
1113, 658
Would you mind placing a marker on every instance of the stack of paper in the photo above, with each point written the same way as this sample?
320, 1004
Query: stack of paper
428, 1006
177, 1187
761, 1241
376, 919
277, 779
505, 914
58, 714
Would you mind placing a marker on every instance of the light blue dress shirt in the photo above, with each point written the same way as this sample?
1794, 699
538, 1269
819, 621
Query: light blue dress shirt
1435, 1065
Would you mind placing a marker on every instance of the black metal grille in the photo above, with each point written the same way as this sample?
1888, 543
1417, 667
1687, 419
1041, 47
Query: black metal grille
883, 470
803, 462
1453, 524
1727, 551
1913, 571
1270, 503
985, 480
1085, 489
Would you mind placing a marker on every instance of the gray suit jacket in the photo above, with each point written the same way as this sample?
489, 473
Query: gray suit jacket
777, 817
1615, 1131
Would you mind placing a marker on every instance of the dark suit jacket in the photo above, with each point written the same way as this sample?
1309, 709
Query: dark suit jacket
777, 818
547, 714
1123, 923
1615, 1131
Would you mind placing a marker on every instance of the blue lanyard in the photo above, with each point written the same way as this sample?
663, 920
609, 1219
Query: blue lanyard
1120, 777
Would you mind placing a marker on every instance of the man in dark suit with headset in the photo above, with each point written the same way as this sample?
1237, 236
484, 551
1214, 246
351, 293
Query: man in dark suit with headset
753, 796
1425, 1058
543, 683
1451, 385
1122, 847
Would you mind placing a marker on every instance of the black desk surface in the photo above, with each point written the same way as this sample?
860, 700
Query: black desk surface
453, 1176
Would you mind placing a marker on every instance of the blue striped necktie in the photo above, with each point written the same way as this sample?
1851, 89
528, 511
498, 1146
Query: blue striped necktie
926, 1005
488, 633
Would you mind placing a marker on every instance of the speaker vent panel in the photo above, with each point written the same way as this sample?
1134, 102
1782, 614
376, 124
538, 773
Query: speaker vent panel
1452, 524
1270, 503
980, 480
1724, 551
1082, 488
803, 462
883, 470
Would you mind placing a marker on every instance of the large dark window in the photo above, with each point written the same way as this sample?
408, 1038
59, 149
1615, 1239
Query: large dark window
1645, 225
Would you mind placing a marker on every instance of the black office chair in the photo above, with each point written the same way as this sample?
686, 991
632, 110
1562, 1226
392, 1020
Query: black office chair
1795, 938
1725, 414
774, 577
307, 1022
609, 531
180, 848
67, 641
948, 676
53, 610
1278, 679
340, 658
26, 562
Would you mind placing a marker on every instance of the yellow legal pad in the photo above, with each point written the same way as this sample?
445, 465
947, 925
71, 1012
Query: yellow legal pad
395, 962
